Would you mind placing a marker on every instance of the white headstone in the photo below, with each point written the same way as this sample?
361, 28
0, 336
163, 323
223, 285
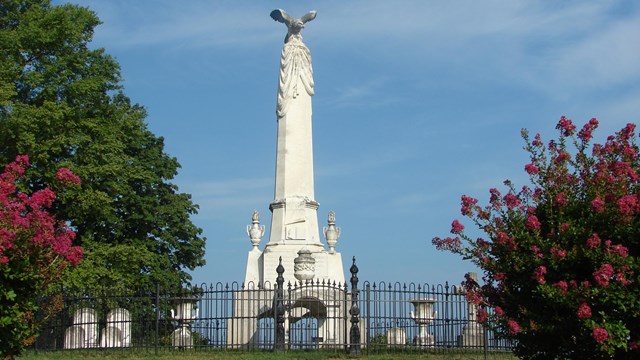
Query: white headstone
118, 330
74, 337
182, 338
88, 320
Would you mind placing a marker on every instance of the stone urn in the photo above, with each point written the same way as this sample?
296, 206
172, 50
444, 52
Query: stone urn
423, 315
304, 267
185, 312
331, 232
255, 230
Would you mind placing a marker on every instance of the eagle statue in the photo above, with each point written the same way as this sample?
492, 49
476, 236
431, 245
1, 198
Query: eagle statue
294, 25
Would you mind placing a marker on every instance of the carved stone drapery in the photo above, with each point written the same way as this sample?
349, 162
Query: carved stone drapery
296, 73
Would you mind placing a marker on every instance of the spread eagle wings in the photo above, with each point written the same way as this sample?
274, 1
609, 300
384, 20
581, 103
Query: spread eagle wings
293, 25
308, 16
280, 15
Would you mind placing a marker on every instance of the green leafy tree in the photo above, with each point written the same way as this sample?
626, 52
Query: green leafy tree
62, 103
35, 249
560, 264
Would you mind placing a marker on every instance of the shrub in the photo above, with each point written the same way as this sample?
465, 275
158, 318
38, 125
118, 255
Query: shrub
560, 257
35, 248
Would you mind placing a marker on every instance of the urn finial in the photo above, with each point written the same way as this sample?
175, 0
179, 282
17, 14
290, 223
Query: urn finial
331, 232
255, 230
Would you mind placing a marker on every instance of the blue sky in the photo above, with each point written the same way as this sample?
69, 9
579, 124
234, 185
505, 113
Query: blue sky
417, 102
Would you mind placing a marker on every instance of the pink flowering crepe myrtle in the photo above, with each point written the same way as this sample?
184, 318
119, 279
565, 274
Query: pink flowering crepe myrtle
565, 244
27, 229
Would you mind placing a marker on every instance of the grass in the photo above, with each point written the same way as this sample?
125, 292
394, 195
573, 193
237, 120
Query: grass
251, 355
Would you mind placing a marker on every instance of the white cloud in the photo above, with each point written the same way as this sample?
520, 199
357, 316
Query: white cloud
220, 199
228, 187
177, 24
606, 57
549, 46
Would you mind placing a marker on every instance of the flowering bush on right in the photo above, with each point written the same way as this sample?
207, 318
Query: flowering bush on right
560, 258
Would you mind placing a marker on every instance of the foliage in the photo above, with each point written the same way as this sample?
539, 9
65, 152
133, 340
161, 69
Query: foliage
561, 260
62, 103
35, 248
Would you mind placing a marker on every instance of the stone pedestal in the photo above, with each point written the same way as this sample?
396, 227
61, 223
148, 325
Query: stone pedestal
423, 315
473, 334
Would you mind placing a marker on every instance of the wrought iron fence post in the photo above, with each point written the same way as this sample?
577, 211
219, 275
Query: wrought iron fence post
367, 308
279, 309
485, 342
157, 316
354, 333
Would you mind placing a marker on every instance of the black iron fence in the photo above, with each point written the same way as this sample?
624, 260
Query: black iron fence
272, 316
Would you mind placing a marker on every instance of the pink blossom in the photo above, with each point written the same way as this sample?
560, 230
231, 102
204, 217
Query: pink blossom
562, 157
562, 286
564, 227
23, 160
586, 133
531, 169
42, 199
621, 277
566, 126
619, 250
539, 273
482, 315
557, 253
467, 203
62, 245
473, 297
630, 152
511, 201
584, 311
16, 169
513, 326
499, 311
602, 276
495, 197
74, 255
482, 243
536, 140
456, 227
627, 132
537, 193
66, 177
597, 205
501, 238
533, 223
627, 204
594, 241
561, 199
600, 335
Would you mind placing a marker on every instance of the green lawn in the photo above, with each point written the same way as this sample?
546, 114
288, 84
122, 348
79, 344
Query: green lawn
249, 355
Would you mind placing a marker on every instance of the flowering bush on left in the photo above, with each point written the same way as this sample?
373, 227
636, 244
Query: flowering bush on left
35, 248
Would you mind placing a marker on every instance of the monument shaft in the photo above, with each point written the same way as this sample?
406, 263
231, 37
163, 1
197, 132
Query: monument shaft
294, 234
295, 220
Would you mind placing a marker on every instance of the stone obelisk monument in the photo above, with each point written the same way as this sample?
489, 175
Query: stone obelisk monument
294, 222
